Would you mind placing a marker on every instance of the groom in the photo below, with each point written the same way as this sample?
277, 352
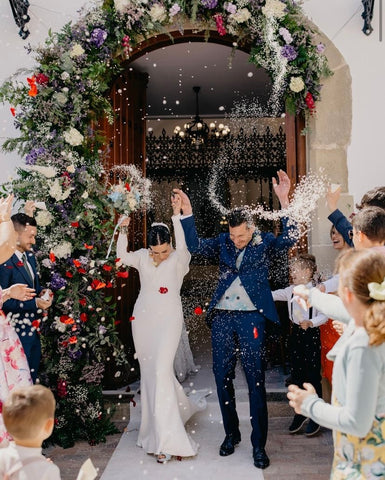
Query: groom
238, 311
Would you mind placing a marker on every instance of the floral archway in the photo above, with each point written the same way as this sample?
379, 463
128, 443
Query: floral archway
56, 108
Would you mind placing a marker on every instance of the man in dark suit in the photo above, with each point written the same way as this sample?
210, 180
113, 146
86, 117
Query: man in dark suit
22, 268
238, 311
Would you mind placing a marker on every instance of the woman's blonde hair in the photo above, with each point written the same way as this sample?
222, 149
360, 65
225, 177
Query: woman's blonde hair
358, 268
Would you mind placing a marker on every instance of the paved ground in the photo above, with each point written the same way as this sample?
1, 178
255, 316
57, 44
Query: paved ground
293, 457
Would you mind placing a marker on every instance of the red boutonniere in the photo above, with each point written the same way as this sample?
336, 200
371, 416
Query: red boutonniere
36, 324
198, 311
20, 264
255, 332
163, 290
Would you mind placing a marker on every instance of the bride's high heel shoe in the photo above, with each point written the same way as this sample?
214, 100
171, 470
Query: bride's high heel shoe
163, 457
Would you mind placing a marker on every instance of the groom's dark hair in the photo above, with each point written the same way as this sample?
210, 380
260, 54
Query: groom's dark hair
240, 215
21, 220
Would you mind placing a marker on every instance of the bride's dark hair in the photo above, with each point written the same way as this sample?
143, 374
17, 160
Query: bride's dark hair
158, 234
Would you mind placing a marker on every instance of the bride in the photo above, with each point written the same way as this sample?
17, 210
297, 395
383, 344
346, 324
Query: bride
156, 329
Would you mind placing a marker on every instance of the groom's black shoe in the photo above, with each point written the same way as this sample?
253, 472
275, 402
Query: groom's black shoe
227, 447
261, 460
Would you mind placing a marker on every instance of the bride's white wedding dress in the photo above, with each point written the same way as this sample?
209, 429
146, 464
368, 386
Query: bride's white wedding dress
156, 329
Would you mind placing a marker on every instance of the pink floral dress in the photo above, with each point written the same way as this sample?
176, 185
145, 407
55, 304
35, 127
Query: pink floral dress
14, 370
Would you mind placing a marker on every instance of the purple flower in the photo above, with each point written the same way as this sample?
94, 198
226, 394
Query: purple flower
289, 52
209, 3
98, 37
31, 158
320, 47
230, 7
102, 329
174, 10
57, 282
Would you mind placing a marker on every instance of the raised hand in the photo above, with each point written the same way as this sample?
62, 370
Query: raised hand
332, 197
185, 202
29, 208
176, 203
6, 208
282, 188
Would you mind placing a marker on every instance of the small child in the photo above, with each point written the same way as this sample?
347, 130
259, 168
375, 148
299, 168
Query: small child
304, 339
28, 415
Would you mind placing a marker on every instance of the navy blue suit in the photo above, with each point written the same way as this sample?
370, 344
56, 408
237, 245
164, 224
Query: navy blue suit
237, 330
23, 313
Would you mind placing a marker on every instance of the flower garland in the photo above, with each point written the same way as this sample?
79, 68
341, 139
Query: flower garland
55, 108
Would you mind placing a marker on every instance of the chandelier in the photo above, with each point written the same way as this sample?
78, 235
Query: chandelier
197, 131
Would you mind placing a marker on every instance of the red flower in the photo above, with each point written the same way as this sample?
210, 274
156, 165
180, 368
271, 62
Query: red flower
73, 339
198, 311
76, 263
83, 302
75, 224
81, 270
117, 322
41, 79
109, 285
132, 319
69, 274
97, 284
20, 264
219, 24
83, 317
127, 187
117, 260
310, 102
163, 290
52, 257
107, 268
66, 319
33, 88
88, 247
13, 111
255, 332
122, 274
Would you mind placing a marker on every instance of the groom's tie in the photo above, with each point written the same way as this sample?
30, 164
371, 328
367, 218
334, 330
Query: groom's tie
27, 267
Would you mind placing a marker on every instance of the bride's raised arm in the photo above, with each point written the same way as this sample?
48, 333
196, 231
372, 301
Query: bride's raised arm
184, 255
131, 259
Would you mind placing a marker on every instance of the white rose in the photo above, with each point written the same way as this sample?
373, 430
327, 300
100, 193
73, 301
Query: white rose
65, 75
60, 97
296, 84
62, 250
73, 137
85, 194
43, 218
48, 172
274, 8
56, 191
71, 168
157, 13
121, 5
76, 50
241, 15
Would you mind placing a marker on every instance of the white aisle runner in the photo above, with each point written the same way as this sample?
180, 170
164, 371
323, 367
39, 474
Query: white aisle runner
130, 462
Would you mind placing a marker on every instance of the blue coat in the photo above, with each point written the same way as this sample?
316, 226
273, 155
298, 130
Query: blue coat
253, 271
12, 271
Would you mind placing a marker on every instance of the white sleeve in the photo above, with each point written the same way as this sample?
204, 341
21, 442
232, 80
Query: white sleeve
282, 294
183, 254
330, 305
131, 259
319, 319
331, 285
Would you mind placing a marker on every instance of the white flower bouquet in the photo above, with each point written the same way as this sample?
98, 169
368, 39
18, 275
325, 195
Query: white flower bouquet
132, 192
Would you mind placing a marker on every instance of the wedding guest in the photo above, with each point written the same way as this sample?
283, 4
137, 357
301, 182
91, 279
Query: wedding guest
156, 328
21, 267
373, 198
14, 369
29, 417
239, 309
358, 397
304, 339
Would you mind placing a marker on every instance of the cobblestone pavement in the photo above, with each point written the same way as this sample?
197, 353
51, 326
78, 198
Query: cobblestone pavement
293, 457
